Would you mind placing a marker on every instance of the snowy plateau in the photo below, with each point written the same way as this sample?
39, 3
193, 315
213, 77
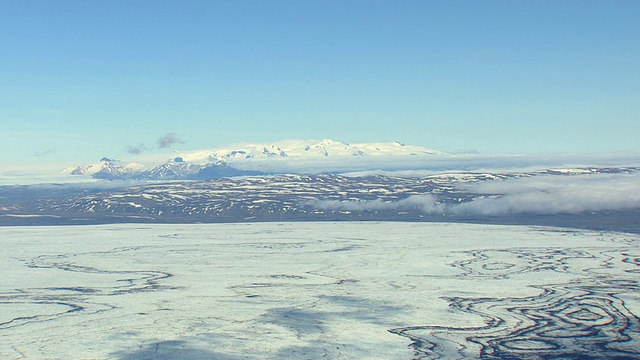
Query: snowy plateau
334, 290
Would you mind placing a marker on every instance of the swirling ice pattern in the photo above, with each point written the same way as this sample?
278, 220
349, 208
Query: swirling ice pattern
581, 302
586, 318
61, 301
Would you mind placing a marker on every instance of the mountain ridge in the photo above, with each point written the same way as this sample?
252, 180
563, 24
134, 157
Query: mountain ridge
221, 162
306, 148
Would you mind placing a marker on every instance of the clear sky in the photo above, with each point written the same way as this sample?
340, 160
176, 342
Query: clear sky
84, 79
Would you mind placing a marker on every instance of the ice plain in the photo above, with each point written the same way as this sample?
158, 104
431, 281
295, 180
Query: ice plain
307, 290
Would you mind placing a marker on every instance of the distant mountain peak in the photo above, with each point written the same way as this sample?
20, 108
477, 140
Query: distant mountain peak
311, 148
237, 160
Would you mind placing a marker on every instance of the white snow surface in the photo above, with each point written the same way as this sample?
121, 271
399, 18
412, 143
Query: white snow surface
306, 290
304, 149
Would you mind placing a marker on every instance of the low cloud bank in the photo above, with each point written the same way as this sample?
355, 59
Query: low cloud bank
545, 194
424, 203
555, 194
423, 165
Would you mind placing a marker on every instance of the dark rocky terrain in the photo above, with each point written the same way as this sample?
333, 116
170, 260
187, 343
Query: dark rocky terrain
320, 197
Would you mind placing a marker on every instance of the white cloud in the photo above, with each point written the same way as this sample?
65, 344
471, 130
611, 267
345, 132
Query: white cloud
423, 203
544, 194
549, 194
430, 164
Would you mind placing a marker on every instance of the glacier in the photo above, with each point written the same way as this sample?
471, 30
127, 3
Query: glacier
314, 290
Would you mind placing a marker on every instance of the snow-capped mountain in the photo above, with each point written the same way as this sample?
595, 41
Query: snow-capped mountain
174, 169
305, 149
106, 168
179, 169
291, 156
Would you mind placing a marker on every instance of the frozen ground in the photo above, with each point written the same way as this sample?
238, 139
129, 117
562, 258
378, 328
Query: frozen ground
317, 290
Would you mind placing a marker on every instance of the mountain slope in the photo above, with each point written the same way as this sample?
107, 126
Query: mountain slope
508, 198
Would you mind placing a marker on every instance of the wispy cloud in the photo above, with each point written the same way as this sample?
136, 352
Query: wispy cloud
43, 153
163, 142
135, 150
169, 140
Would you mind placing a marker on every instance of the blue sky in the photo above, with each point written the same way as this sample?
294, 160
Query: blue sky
84, 79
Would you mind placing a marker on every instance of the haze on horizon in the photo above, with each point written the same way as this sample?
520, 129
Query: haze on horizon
82, 80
